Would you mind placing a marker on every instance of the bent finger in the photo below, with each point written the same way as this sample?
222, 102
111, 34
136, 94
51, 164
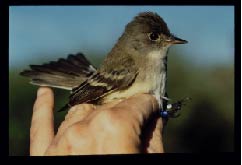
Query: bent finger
75, 114
140, 106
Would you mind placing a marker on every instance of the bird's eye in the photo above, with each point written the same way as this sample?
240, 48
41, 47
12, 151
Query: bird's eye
154, 36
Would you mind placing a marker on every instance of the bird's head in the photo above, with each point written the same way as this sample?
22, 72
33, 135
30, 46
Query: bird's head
148, 32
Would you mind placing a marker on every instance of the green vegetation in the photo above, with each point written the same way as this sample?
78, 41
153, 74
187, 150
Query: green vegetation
206, 123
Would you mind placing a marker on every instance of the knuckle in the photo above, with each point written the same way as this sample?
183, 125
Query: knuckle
111, 121
102, 116
107, 117
81, 109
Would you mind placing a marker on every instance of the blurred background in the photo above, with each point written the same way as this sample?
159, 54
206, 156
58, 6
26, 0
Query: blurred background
203, 69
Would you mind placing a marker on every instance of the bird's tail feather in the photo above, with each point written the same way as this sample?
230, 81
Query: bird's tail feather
64, 73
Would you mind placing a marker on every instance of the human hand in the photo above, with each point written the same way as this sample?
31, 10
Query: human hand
120, 127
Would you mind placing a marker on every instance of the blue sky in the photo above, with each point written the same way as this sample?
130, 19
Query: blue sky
51, 32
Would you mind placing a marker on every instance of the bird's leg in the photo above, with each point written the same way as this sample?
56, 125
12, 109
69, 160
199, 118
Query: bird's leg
163, 110
171, 110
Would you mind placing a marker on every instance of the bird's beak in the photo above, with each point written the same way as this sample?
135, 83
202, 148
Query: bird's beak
176, 40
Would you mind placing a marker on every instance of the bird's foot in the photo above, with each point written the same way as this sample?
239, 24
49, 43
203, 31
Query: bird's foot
172, 109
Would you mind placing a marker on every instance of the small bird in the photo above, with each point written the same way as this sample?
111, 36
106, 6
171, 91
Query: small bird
136, 64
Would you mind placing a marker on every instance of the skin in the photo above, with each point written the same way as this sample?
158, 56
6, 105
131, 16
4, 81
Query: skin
122, 127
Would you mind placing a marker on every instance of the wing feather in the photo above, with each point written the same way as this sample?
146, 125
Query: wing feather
100, 84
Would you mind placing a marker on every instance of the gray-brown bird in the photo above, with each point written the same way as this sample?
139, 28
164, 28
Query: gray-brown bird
136, 64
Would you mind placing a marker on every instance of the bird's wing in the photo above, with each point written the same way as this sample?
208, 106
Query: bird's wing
100, 84
64, 73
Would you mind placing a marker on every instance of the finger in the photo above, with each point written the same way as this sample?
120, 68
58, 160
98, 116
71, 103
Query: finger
142, 109
42, 129
80, 110
75, 114
140, 106
155, 144
110, 104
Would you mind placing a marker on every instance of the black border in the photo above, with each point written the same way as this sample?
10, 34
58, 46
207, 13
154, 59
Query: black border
237, 85
4, 77
225, 157
123, 2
